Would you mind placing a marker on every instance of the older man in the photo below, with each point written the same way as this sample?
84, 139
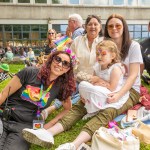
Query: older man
75, 23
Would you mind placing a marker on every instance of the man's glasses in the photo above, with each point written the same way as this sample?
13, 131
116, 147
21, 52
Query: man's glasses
117, 26
57, 60
51, 33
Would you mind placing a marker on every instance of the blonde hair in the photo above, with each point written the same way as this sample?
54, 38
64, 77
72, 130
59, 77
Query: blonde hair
111, 47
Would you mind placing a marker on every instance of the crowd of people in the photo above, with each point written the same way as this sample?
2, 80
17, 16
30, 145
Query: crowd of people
104, 55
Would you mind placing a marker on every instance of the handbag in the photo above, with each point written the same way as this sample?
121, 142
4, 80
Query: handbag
83, 76
114, 139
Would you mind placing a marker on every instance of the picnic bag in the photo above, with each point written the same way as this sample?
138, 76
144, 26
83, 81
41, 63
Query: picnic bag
113, 139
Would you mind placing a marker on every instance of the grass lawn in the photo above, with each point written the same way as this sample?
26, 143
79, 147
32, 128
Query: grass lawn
65, 136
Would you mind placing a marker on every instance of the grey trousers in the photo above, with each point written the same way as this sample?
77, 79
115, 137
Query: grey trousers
11, 138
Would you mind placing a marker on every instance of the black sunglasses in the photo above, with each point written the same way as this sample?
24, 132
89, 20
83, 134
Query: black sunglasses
50, 33
65, 64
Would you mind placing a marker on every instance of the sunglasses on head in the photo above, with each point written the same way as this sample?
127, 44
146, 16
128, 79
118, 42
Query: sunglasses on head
116, 26
50, 33
57, 60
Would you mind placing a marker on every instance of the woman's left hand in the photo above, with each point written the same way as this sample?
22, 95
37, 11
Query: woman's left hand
113, 97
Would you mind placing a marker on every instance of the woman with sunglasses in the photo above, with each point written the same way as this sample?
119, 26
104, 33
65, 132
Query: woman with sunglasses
29, 92
51, 36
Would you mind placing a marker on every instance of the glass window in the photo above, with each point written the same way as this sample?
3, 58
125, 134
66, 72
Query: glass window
145, 2
40, 1
8, 35
57, 1
34, 27
26, 27
144, 27
102, 2
6, 1
26, 36
131, 27
88, 2
60, 28
137, 35
73, 1
43, 28
1, 28
132, 2
137, 27
16, 27
43, 35
34, 35
118, 2
144, 35
1, 36
17, 35
23, 1
8, 27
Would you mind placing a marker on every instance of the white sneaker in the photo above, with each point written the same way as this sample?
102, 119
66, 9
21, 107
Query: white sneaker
39, 137
66, 146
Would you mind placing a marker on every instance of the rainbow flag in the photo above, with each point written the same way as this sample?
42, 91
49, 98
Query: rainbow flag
64, 40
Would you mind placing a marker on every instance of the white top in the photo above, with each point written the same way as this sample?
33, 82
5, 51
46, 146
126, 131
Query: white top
105, 74
85, 56
134, 56
31, 55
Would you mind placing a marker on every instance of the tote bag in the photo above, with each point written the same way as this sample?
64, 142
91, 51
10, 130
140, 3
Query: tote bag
102, 140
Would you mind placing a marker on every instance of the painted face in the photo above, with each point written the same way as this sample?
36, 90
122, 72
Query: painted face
115, 28
104, 57
93, 28
60, 64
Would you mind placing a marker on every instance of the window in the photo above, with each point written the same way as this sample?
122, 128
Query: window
88, 2
24, 35
118, 2
23, 1
145, 2
57, 1
6, 1
40, 1
60, 28
132, 2
73, 1
102, 2
8, 27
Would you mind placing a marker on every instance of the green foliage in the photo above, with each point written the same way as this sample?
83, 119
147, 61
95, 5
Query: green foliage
64, 137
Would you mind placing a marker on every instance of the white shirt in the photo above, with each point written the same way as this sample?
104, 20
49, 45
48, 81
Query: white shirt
85, 55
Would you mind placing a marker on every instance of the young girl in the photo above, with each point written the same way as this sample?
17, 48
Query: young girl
109, 69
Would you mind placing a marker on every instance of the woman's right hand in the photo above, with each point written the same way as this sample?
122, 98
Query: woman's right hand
83, 100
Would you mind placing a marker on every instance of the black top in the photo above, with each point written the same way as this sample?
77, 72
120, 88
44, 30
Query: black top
48, 50
22, 110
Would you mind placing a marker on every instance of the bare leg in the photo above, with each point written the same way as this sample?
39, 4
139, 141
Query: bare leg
83, 137
51, 109
56, 129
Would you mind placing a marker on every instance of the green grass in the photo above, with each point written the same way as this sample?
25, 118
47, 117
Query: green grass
64, 137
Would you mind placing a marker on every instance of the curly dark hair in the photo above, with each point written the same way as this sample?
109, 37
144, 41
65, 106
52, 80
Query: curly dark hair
66, 81
126, 41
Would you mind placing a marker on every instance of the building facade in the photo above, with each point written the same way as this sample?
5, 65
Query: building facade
25, 22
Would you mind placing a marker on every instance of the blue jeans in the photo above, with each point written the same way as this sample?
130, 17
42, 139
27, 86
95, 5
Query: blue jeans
74, 99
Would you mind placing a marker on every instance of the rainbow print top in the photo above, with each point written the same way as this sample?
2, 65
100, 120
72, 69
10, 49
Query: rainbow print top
35, 95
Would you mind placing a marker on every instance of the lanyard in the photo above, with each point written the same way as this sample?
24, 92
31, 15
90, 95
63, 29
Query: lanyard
42, 94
